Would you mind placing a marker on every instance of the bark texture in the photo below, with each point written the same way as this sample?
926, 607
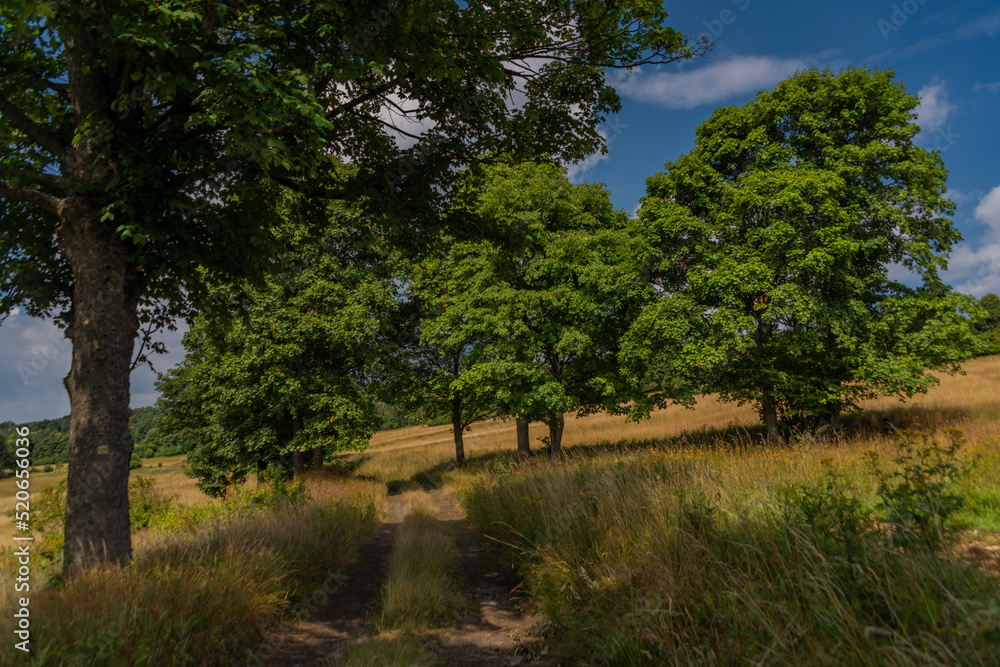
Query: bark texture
556, 424
456, 425
103, 329
317, 458
523, 443
770, 414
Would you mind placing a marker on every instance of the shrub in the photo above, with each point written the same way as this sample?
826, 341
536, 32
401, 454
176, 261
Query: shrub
146, 504
918, 497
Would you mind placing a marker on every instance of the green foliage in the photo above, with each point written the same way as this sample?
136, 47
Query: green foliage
285, 366
146, 504
770, 246
529, 320
48, 514
988, 325
919, 496
833, 516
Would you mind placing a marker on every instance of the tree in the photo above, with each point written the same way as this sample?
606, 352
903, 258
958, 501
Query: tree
450, 343
540, 308
988, 325
283, 369
135, 136
771, 244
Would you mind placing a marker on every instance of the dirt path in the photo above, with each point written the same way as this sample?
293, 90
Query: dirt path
494, 631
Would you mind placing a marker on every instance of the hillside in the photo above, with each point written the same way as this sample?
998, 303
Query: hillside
50, 439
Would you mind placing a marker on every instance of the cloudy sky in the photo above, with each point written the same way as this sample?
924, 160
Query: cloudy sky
948, 53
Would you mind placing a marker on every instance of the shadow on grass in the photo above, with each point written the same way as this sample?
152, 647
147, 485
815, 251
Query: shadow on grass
872, 425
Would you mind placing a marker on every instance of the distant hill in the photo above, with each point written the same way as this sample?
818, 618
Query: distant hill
49, 439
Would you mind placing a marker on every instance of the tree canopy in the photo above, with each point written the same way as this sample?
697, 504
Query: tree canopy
771, 245
278, 369
539, 309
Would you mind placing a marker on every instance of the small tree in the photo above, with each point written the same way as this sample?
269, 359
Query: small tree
451, 343
771, 244
988, 325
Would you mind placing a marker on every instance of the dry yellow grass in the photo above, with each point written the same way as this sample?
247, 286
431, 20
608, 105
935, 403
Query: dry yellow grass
968, 402
169, 479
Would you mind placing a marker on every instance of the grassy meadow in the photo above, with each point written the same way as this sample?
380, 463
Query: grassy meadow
699, 545
167, 473
684, 539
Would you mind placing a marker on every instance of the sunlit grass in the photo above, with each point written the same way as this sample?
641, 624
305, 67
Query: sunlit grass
208, 593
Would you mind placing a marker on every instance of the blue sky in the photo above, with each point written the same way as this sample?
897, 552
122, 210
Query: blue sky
948, 53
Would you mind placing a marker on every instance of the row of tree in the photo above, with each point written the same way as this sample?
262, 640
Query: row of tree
757, 267
140, 143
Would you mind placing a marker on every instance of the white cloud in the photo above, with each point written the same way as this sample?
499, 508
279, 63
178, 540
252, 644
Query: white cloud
934, 108
974, 268
576, 172
991, 87
988, 210
988, 25
710, 84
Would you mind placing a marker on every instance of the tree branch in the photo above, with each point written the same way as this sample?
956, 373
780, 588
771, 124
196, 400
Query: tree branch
34, 131
29, 196
53, 181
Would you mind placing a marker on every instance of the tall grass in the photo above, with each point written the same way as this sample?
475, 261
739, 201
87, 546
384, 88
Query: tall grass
969, 402
205, 595
421, 589
698, 555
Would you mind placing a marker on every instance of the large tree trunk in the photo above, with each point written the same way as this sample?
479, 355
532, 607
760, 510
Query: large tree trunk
103, 330
556, 423
298, 460
317, 458
523, 444
456, 425
770, 413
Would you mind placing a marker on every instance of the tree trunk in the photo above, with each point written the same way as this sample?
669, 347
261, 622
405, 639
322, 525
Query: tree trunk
298, 460
317, 458
523, 444
261, 467
103, 330
556, 424
456, 425
770, 413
